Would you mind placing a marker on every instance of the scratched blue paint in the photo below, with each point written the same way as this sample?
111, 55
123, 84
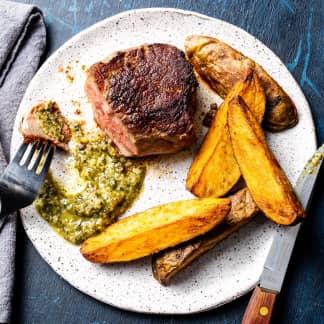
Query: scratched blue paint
76, 29
291, 66
33, 297
224, 8
56, 300
304, 78
52, 18
106, 4
89, 7
73, 9
287, 4
178, 3
128, 5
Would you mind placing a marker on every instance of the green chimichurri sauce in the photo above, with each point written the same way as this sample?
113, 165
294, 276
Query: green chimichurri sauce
110, 184
51, 121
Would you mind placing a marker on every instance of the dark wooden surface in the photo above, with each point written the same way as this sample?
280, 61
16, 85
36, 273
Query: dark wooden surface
294, 30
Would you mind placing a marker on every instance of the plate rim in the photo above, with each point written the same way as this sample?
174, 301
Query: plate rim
75, 38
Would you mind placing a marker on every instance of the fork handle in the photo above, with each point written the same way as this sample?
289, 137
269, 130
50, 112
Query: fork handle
3, 215
7, 206
3, 206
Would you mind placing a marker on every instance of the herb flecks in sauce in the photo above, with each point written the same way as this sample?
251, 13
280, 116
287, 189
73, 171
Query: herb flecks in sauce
110, 185
51, 121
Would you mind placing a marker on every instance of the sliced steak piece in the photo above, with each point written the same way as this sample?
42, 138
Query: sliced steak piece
45, 121
144, 99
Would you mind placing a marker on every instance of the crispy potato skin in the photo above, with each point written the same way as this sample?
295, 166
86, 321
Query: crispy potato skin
167, 263
155, 229
266, 181
214, 170
221, 66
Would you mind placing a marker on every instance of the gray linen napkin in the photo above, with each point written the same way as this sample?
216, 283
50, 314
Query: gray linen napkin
22, 43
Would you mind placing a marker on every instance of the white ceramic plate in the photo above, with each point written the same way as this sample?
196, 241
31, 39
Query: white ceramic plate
233, 267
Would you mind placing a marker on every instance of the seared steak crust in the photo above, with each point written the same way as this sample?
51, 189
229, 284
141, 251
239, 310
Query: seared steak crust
147, 97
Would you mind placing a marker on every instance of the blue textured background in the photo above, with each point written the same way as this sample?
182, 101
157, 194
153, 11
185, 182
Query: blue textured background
294, 30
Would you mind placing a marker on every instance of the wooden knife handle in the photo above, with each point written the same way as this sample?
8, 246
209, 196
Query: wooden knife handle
259, 309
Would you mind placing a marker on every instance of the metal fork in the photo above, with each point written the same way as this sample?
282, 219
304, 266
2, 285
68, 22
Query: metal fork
23, 178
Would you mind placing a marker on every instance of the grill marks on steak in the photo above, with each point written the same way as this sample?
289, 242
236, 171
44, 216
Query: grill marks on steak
143, 98
151, 92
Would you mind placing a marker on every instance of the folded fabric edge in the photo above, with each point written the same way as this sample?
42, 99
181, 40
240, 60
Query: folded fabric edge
34, 17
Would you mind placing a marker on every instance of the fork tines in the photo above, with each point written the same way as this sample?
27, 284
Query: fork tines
38, 157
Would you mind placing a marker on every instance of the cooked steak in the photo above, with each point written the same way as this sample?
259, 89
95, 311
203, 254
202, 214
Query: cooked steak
45, 121
144, 99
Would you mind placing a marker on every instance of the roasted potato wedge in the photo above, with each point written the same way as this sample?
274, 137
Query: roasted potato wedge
214, 170
155, 229
167, 263
221, 67
266, 181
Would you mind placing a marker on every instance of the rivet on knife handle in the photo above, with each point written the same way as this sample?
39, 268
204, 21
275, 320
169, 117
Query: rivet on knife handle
259, 309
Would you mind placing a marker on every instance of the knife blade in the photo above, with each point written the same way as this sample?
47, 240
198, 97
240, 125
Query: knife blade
261, 303
276, 264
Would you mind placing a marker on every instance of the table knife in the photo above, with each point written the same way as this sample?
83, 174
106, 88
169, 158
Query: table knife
260, 307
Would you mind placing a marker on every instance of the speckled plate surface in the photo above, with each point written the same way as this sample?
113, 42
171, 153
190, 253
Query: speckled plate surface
233, 267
